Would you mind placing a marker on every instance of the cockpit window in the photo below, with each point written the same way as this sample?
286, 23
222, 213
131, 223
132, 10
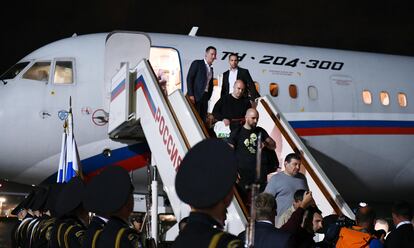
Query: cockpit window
63, 73
14, 70
39, 71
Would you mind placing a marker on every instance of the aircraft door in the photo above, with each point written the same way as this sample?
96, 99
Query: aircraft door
343, 96
166, 64
123, 47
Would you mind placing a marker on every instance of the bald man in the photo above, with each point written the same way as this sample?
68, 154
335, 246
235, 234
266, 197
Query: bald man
244, 142
232, 108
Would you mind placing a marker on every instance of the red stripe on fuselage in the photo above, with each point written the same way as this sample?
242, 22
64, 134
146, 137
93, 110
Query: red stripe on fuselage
354, 131
129, 164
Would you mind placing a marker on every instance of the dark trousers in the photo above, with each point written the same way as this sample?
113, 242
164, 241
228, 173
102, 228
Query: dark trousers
202, 106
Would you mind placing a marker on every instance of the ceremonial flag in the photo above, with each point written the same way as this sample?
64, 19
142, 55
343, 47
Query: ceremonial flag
62, 161
69, 163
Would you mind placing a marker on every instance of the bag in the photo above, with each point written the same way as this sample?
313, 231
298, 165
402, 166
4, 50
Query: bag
353, 237
221, 130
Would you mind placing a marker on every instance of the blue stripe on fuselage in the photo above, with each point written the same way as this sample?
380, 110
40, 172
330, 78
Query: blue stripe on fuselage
99, 161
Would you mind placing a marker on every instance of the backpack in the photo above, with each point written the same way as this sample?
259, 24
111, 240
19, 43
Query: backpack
353, 237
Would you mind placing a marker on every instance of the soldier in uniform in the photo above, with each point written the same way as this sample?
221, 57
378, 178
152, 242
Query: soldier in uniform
114, 189
92, 204
26, 225
21, 211
205, 181
37, 208
70, 226
42, 232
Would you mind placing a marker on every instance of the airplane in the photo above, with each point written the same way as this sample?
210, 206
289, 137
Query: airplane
352, 109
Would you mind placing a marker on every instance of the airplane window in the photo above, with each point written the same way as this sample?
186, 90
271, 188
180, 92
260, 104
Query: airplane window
14, 70
63, 72
293, 91
385, 99
313, 92
366, 96
402, 99
39, 71
274, 89
166, 64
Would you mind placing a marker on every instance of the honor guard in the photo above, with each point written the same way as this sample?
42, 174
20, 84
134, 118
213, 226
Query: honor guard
26, 229
70, 226
42, 232
92, 203
37, 208
21, 211
114, 189
205, 181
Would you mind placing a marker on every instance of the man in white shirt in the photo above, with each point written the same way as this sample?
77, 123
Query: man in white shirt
234, 73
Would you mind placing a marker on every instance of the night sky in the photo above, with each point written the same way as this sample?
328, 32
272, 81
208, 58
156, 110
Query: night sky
373, 26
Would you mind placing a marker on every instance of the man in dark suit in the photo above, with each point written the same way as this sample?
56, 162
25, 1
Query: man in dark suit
200, 81
234, 73
266, 234
403, 235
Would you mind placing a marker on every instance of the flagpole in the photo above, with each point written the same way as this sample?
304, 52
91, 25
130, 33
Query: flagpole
61, 175
69, 162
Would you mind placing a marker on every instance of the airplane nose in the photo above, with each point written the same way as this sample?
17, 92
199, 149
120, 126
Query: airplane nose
20, 126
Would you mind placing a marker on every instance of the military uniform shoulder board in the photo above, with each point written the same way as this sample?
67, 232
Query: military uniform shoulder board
95, 237
79, 234
132, 236
66, 236
48, 234
224, 237
59, 233
214, 241
119, 236
46, 225
235, 243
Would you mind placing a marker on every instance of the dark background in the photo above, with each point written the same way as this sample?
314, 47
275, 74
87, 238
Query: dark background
373, 26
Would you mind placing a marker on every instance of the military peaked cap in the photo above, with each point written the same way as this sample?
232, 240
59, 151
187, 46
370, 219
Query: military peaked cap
70, 196
206, 174
107, 192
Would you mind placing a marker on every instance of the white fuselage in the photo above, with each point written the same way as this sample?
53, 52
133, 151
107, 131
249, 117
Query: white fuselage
365, 149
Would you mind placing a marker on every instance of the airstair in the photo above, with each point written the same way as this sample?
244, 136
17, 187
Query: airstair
139, 108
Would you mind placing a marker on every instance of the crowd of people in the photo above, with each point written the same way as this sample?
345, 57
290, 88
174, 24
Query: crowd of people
59, 215
287, 213
210, 193
97, 213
